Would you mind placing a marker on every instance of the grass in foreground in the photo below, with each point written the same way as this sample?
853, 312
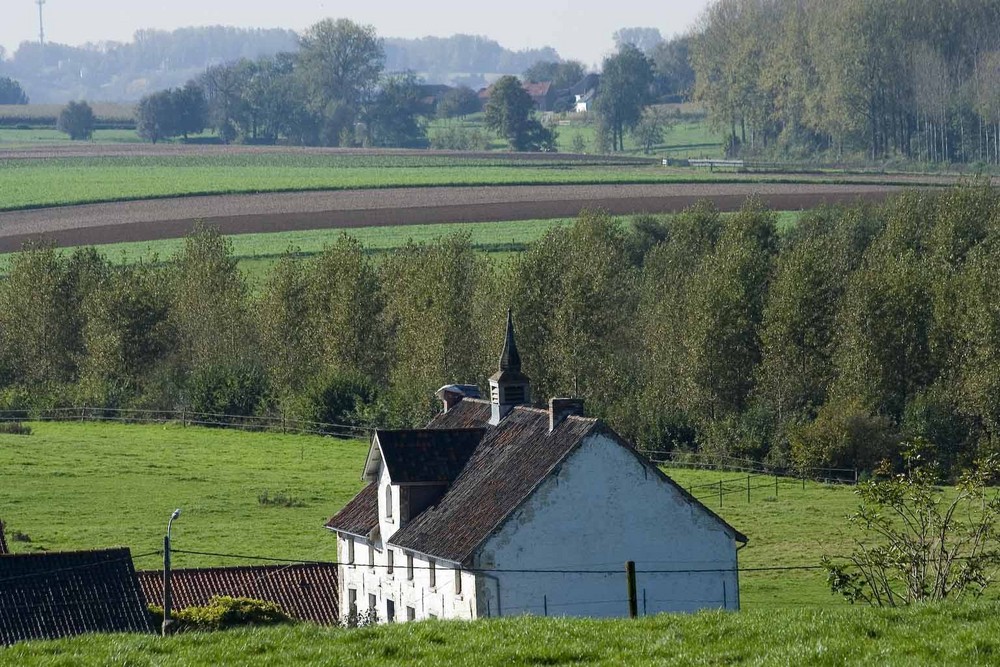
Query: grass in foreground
932, 635
85, 486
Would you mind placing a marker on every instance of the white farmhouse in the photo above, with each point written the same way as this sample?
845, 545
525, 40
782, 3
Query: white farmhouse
499, 508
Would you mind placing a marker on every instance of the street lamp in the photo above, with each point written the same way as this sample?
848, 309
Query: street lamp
166, 572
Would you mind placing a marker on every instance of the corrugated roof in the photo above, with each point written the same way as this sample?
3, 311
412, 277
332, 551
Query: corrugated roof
422, 456
52, 595
360, 516
307, 592
512, 459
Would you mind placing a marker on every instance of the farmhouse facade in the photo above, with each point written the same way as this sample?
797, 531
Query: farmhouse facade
500, 508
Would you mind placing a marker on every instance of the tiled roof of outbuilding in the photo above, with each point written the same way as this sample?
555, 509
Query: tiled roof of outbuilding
52, 595
512, 459
422, 456
307, 592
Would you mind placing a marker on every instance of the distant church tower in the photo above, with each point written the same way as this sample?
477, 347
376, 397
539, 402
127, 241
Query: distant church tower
509, 386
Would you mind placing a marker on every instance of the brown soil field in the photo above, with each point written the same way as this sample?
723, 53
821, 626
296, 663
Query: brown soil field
241, 214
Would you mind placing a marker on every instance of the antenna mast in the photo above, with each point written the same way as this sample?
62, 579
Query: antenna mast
41, 25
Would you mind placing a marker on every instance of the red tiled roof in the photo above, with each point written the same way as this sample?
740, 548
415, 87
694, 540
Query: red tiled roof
52, 595
537, 90
307, 592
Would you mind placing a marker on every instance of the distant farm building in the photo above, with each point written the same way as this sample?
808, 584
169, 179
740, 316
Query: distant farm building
500, 508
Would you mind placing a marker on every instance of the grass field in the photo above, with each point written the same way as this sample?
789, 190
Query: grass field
76, 486
64, 181
82, 486
931, 635
13, 138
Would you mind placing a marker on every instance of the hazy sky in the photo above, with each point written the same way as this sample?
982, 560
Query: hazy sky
579, 29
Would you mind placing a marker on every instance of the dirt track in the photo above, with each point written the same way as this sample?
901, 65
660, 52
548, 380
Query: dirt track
240, 214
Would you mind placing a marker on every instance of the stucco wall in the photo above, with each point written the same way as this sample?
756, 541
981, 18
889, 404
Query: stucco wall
601, 509
438, 601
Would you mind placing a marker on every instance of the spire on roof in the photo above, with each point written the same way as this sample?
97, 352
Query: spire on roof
510, 359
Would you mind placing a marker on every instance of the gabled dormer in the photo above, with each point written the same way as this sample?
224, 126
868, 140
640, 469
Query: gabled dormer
413, 469
509, 387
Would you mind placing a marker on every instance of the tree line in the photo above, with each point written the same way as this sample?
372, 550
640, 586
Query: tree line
825, 345
869, 78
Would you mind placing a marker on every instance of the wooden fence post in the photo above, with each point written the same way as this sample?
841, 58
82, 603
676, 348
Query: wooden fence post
633, 601
720, 493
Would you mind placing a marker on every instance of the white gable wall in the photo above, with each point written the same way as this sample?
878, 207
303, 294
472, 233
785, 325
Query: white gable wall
602, 508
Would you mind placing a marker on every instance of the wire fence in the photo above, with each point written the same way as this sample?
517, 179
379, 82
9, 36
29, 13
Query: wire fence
272, 423
698, 461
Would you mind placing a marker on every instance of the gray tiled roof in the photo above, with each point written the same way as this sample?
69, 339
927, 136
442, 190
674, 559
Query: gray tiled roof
422, 456
52, 595
512, 459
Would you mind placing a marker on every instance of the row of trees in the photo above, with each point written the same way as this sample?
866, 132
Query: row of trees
892, 77
333, 91
827, 345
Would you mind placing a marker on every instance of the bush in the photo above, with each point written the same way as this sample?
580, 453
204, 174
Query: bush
223, 612
77, 120
335, 398
14, 428
844, 435
226, 390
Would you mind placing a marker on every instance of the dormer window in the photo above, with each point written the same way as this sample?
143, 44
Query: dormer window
388, 501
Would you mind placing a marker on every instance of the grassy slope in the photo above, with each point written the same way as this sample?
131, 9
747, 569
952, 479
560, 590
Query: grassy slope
74, 486
78, 486
935, 635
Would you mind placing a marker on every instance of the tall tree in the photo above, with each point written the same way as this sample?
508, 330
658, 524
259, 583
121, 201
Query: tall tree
11, 91
508, 113
626, 82
339, 64
77, 120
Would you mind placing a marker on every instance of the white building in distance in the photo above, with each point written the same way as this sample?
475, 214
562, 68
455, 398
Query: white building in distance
499, 508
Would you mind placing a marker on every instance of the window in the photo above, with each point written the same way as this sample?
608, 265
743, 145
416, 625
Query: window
458, 581
352, 601
390, 611
433, 617
350, 551
433, 570
390, 562
409, 567
411, 614
371, 555
372, 602
388, 501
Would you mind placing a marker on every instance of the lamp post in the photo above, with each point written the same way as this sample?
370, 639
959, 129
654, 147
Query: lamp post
166, 573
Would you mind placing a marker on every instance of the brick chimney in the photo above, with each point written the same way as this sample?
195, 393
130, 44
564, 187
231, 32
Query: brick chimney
453, 394
560, 408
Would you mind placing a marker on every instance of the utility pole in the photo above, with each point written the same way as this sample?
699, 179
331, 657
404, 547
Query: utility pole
167, 592
41, 24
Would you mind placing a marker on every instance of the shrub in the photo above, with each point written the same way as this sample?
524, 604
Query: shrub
14, 428
279, 499
223, 612
77, 120
227, 390
335, 398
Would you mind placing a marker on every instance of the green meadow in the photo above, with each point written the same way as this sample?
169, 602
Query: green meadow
930, 635
86, 485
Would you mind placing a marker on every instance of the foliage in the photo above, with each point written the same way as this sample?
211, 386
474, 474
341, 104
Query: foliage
11, 92
460, 101
392, 118
873, 79
644, 39
171, 113
508, 113
14, 428
564, 74
651, 130
77, 120
223, 613
626, 82
922, 545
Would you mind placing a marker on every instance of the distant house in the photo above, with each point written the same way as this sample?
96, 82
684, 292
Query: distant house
500, 508
432, 94
52, 595
584, 92
306, 592
544, 95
